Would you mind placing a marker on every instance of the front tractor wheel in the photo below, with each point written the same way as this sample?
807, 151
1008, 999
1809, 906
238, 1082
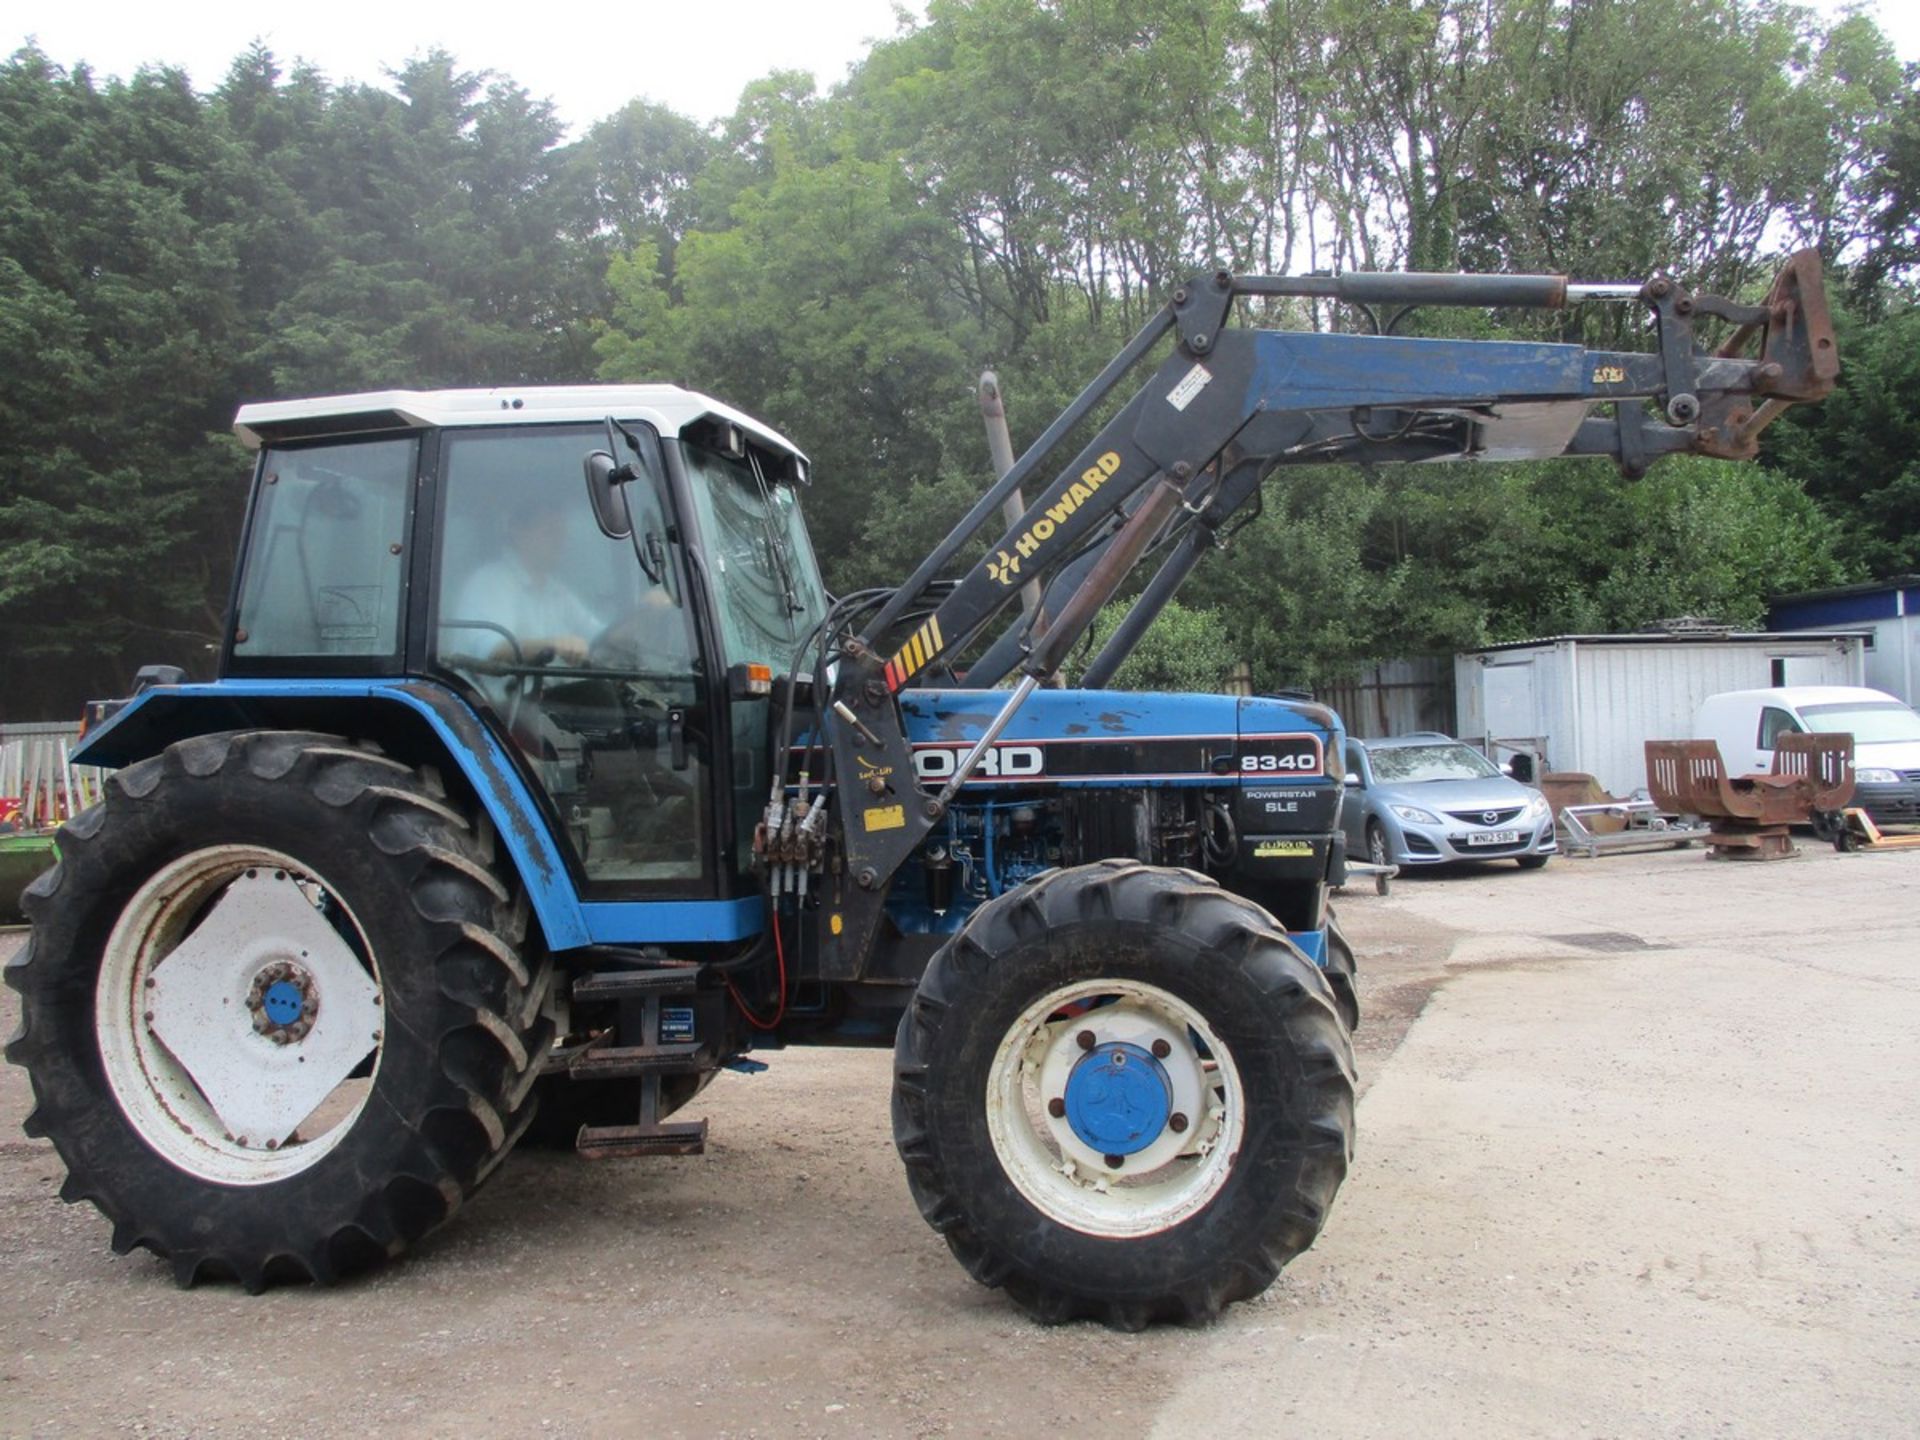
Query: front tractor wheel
277, 1007
1122, 1093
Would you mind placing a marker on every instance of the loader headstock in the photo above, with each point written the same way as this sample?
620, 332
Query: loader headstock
1799, 360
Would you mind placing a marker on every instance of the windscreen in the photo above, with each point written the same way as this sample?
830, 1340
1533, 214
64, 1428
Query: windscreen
766, 584
1869, 722
1404, 764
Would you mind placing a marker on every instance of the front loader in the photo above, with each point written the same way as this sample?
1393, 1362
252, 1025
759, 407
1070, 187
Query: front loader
543, 780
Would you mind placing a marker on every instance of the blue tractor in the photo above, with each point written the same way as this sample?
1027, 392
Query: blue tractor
543, 779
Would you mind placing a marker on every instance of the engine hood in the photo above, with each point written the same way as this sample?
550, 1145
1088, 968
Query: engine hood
1109, 737
1493, 792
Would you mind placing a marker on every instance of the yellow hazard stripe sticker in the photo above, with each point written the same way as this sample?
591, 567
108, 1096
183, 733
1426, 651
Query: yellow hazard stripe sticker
915, 655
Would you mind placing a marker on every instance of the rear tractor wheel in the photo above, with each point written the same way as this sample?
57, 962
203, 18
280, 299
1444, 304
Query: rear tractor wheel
278, 1007
1121, 1093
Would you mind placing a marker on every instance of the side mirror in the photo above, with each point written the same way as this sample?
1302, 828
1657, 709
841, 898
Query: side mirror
1353, 780
605, 477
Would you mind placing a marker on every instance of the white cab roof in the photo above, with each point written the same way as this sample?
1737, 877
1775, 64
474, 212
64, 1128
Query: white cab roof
668, 408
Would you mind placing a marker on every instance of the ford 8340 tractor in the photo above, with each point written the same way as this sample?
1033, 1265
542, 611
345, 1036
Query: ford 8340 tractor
543, 779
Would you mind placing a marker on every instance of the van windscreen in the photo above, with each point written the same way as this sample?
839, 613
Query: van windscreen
1869, 722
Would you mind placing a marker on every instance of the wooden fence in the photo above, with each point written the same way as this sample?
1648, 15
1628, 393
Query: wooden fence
1395, 697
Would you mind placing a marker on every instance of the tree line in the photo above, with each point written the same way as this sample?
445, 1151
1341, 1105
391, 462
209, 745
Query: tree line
1014, 183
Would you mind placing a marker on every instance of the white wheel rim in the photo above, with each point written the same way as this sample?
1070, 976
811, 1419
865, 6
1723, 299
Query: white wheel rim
1175, 1173
231, 1013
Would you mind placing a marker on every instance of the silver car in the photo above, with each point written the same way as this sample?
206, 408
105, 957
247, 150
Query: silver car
1427, 799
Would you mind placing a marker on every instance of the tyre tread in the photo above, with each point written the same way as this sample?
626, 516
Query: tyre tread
1113, 889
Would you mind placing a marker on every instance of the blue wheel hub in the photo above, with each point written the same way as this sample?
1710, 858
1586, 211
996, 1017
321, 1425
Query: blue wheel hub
284, 1002
1118, 1098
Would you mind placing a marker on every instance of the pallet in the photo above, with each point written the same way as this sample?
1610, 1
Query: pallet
1858, 832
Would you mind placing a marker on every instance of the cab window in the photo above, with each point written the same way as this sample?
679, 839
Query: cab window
324, 572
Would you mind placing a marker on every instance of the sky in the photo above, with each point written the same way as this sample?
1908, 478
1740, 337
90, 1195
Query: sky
691, 55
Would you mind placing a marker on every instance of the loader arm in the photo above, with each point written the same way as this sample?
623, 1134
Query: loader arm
1223, 409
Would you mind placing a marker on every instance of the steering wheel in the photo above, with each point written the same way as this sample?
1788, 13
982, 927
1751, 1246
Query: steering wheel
514, 672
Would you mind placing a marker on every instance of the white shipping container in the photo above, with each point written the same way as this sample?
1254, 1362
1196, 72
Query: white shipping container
1591, 702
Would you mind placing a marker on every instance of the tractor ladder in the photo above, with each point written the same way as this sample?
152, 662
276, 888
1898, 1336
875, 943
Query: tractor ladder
663, 999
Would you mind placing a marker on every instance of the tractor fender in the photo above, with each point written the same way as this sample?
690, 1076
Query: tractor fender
380, 708
157, 718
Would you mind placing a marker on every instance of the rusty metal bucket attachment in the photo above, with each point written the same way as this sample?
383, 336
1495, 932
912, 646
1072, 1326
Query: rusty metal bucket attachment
1748, 814
1825, 758
1799, 358
1799, 333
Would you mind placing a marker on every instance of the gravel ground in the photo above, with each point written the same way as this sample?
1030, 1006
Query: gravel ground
1638, 1147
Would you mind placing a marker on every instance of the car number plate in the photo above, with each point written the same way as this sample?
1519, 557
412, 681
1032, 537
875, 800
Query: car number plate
1494, 837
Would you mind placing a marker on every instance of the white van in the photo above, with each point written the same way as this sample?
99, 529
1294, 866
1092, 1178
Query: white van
1886, 738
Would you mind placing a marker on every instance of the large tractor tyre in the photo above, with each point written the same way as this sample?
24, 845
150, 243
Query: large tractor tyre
1121, 1093
279, 1007
1342, 972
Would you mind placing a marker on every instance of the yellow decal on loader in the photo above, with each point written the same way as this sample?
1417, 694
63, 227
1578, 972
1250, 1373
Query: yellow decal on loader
1004, 568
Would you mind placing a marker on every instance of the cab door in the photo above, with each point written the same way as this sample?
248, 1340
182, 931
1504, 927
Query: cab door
586, 659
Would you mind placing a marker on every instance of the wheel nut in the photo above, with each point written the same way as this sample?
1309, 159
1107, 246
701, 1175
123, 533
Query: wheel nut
1056, 1107
1161, 1049
1177, 1123
1114, 1162
1085, 1037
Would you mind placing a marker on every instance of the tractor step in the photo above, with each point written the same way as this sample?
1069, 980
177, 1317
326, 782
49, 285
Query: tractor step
623, 1142
626, 1061
638, 984
658, 1009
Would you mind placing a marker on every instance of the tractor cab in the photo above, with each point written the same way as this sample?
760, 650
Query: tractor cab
588, 612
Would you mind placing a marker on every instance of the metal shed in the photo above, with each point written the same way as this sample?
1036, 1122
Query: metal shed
1591, 702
